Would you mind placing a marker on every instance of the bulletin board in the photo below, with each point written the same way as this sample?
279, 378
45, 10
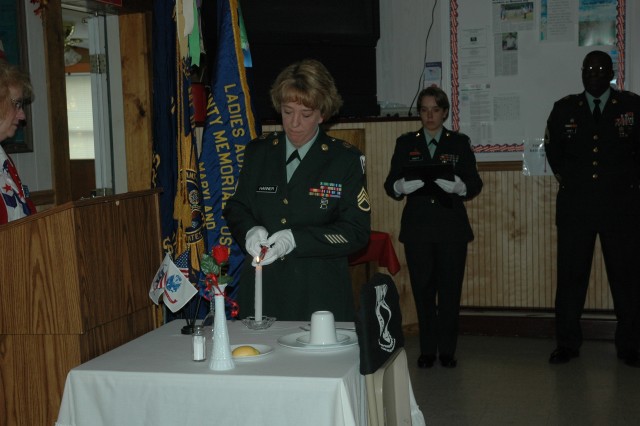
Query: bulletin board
510, 60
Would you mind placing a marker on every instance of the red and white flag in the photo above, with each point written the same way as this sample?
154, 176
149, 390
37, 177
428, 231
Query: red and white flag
171, 284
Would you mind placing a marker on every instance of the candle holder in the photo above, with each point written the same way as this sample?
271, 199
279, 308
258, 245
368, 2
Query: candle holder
251, 323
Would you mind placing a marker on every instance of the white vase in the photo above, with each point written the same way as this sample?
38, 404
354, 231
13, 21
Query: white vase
221, 358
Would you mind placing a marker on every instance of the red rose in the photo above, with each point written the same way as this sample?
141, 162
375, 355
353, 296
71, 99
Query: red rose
220, 254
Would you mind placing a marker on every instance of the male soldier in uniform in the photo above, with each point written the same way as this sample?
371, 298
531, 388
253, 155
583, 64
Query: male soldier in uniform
592, 143
301, 194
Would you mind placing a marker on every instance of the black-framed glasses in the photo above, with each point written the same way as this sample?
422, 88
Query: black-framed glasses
18, 104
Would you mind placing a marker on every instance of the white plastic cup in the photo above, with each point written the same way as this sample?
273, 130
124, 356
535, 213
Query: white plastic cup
323, 329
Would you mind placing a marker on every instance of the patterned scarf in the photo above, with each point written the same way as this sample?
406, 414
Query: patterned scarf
15, 204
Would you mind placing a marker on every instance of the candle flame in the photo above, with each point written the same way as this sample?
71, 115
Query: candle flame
263, 251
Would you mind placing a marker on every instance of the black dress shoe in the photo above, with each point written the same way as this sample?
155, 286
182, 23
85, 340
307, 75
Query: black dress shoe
426, 361
563, 355
630, 358
448, 361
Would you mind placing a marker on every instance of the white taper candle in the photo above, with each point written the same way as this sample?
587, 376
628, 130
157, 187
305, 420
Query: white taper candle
258, 296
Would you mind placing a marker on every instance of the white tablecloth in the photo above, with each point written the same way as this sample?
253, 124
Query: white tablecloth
153, 381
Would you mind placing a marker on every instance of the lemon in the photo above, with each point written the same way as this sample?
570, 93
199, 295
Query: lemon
245, 351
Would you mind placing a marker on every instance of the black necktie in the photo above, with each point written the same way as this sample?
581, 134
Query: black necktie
294, 155
432, 146
292, 167
596, 110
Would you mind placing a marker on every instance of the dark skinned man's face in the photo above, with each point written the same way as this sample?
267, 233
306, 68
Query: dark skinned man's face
596, 74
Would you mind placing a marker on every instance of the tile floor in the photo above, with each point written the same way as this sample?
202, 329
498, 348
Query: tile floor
508, 381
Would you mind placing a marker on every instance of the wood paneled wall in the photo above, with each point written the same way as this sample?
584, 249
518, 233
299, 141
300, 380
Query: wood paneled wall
512, 261
135, 46
75, 285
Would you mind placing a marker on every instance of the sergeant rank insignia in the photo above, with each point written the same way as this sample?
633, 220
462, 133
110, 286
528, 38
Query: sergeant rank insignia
363, 200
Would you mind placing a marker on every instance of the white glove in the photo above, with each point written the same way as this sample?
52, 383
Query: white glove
453, 187
281, 243
406, 187
254, 240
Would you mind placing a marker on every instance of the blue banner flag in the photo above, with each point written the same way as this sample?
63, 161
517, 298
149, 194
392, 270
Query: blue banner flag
165, 159
230, 125
175, 151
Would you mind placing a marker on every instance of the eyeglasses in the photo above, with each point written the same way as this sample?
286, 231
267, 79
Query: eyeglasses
18, 103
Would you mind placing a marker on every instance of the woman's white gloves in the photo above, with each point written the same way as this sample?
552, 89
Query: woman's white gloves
280, 244
456, 186
254, 240
406, 187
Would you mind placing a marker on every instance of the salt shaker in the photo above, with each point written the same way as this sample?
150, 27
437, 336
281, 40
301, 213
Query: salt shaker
199, 344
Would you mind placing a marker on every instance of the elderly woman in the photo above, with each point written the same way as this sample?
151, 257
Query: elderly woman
302, 197
14, 89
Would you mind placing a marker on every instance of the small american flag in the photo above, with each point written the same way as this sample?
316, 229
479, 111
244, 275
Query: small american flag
182, 262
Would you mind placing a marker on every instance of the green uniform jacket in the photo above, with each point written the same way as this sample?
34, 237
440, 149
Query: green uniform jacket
326, 206
597, 164
425, 217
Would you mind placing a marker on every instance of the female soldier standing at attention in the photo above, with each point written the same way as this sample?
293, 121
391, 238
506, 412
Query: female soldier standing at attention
435, 229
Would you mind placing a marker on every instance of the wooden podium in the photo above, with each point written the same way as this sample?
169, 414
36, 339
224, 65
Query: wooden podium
74, 283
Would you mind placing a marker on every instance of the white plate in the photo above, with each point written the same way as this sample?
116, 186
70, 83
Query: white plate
341, 338
292, 341
263, 349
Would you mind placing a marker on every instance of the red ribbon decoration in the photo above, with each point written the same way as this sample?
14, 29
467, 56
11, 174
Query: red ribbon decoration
211, 281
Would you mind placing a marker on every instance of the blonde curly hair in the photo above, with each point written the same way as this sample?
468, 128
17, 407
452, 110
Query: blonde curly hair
309, 83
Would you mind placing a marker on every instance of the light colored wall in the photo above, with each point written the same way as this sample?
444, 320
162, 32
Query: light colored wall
633, 46
400, 58
400, 54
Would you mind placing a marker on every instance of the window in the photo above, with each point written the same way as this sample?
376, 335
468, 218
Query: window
80, 117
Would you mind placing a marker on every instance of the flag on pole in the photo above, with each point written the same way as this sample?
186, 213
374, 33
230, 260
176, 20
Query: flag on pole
230, 125
174, 144
187, 207
170, 284
165, 158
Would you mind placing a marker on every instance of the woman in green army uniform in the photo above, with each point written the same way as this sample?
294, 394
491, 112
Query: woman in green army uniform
302, 194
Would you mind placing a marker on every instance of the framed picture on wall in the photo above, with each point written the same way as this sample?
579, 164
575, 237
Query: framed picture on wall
13, 45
